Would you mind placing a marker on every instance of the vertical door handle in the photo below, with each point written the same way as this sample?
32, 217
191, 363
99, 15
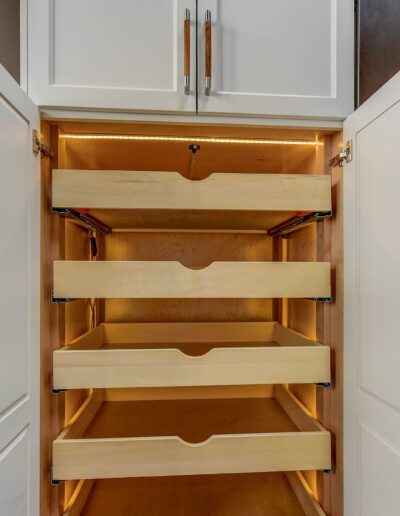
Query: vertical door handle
207, 39
186, 52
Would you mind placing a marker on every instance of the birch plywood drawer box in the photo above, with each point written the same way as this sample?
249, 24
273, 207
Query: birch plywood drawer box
130, 199
128, 279
189, 354
186, 437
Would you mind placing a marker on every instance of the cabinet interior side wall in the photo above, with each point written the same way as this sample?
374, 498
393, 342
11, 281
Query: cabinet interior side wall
322, 322
60, 324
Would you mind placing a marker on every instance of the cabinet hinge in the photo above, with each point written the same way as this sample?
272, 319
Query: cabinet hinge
39, 147
344, 156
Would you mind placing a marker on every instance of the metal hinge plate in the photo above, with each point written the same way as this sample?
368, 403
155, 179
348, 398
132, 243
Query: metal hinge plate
39, 147
344, 156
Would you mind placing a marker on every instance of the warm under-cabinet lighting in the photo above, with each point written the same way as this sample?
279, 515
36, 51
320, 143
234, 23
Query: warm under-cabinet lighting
192, 139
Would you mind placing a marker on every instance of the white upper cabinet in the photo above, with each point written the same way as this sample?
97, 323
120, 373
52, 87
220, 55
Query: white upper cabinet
104, 54
289, 58
269, 58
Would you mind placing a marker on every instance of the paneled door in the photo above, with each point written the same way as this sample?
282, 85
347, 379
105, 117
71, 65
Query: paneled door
371, 307
104, 54
19, 302
277, 57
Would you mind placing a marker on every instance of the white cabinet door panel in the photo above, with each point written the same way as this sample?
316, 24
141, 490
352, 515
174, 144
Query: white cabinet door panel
14, 460
111, 55
371, 314
19, 302
279, 57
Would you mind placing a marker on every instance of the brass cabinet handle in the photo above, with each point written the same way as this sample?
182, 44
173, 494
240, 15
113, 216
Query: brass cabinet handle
186, 52
207, 38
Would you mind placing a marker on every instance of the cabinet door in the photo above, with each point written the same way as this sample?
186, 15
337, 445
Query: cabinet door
291, 58
371, 316
19, 302
102, 54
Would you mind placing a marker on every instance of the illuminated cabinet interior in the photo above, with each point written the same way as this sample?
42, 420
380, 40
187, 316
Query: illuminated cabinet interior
194, 335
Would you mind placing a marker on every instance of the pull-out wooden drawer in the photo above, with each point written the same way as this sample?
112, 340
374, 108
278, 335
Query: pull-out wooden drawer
113, 439
168, 279
246, 494
126, 199
189, 354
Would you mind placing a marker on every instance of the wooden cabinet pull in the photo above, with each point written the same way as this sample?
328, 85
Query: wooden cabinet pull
186, 52
207, 37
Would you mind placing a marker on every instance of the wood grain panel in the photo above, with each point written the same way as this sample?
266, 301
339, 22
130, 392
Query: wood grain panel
213, 495
148, 280
51, 335
114, 189
190, 393
191, 250
176, 156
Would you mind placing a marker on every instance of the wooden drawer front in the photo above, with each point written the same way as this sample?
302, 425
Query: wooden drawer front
189, 354
169, 456
114, 189
92, 446
139, 279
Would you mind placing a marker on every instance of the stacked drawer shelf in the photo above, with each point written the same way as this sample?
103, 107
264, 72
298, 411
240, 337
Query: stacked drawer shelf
112, 439
189, 354
115, 435
151, 280
167, 200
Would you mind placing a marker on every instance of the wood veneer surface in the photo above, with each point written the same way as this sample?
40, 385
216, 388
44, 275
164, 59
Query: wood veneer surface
191, 348
190, 219
192, 420
265, 494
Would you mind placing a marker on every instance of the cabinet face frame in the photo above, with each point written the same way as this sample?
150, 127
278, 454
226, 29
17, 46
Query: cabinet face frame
44, 89
153, 394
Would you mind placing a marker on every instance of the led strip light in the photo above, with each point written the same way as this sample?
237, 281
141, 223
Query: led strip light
191, 139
